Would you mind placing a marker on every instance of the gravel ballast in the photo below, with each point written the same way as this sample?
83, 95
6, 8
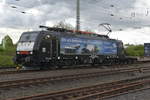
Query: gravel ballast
61, 85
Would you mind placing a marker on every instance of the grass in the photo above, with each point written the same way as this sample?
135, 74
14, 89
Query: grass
1, 49
6, 61
6, 56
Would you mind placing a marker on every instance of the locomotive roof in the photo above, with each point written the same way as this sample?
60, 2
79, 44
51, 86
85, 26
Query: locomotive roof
59, 32
71, 34
66, 31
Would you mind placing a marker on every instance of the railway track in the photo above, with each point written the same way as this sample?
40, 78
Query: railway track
127, 92
7, 68
12, 70
54, 75
95, 92
26, 82
16, 72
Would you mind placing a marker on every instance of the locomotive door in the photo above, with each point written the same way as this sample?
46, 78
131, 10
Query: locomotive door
45, 48
54, 48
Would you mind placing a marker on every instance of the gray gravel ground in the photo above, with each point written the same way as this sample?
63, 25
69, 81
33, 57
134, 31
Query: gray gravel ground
42, 74
61, 85
139, 95
7, 69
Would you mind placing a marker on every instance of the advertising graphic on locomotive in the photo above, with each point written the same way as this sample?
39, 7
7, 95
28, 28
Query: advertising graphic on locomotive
87, 46
61, 47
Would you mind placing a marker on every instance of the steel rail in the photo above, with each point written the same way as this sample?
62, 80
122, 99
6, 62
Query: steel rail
93, 92
127, 92
123, 88
16, 83
29, 71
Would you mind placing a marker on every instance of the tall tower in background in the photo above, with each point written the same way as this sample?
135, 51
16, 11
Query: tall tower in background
78, 16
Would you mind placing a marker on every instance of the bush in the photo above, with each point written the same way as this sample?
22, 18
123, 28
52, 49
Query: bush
6, 56
135, 50
6, 61
1, 49
7, 53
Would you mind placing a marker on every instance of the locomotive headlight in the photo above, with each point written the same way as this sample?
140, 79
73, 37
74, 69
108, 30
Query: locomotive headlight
47, 36
31, 52
58, 57
76, 57
18, 52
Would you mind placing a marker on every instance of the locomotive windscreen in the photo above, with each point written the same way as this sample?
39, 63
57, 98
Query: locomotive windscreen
28, 37
27, 40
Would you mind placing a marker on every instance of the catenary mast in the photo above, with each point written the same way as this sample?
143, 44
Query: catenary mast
78, 16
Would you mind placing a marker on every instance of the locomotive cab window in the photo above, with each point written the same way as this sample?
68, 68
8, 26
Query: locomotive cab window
28, 37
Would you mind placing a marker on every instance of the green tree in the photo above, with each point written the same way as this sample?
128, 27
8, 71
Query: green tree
7, 42
134, 50
65, 25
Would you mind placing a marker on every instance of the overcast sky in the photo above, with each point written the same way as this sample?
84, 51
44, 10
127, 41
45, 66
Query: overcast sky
130, 21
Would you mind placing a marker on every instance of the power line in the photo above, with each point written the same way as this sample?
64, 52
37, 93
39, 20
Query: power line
110, 13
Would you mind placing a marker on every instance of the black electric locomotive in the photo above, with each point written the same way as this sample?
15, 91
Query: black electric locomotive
57, 47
